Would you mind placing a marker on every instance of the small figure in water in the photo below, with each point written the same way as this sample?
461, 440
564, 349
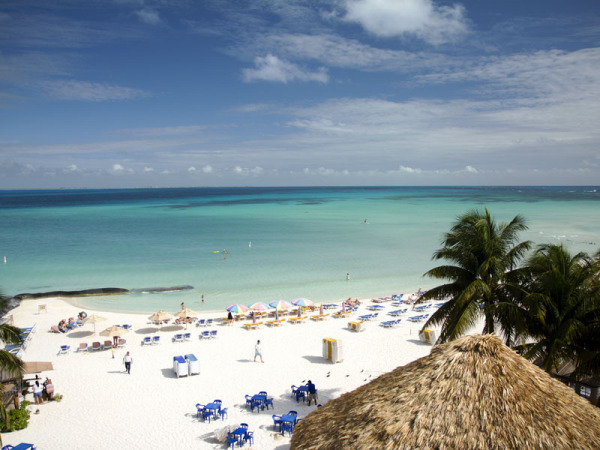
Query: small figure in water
347, 276
250, 244
202, 298
365, 220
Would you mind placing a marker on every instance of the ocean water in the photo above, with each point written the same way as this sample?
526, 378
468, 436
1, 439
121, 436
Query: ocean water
281, 243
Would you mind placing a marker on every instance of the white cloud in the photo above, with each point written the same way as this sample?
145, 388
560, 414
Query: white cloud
207, 169
148, 170
83, 90
423, 19
191, 169
71, 168
256, 171
271, 68
148, 16
471, 169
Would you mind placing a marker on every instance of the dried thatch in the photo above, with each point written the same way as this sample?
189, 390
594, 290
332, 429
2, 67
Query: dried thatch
473, 392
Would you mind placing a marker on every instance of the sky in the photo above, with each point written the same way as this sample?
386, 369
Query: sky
177, 93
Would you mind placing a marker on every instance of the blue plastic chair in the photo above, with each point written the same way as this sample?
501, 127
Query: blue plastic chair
199, 409
286, 426
268, 402
276, 421
255, 404
249, 401
218, 402
295, 413
223, 413
249, 436
262, 393
231, 440
294, 390
207, 414
244, 425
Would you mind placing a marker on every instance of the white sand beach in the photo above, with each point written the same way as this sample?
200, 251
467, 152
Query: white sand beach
104, 408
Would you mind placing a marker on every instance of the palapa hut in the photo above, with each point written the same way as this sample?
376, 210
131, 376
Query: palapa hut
470, 393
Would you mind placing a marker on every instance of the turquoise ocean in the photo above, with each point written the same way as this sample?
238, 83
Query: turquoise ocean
280, 243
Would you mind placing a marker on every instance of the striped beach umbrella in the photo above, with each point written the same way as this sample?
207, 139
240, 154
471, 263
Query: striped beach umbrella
237, 308
280, 304
259, 306
303, 302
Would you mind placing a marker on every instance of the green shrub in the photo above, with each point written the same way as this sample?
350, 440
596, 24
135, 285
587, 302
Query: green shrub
17, 419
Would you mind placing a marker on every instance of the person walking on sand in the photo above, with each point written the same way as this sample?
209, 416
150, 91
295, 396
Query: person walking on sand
258, 352
127, 360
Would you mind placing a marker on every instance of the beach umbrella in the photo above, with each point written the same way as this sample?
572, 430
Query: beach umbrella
344, 307
321, 309
183, 313
259, 306
280, 304
161, 315
93, 318
237, 308
473, 392
299, 311
303, 302
253, 316
114, 331
276, 314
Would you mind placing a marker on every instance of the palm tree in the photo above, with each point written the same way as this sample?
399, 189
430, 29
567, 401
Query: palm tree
482, 257
563, 308
9, 363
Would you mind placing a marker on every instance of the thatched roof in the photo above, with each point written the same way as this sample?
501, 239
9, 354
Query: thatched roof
473, 392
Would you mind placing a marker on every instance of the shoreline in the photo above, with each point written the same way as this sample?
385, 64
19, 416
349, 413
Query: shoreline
292, 354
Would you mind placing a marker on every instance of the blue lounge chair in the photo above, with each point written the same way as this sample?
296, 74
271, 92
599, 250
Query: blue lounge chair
187, 336
213, 334
201, 323
147, 340
155, 339
205, 335
209, 322
178, 338
64, 349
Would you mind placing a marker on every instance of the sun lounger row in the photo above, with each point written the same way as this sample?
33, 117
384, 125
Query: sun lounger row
368, 317
340, 314
151, 340
275, 323
397, 312
421, 308
294, 320
252, 326
420, 318
390, 323
106, 345
204, 322
319, 317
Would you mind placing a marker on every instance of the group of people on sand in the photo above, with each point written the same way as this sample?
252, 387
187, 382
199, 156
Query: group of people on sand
351, 302
68, 324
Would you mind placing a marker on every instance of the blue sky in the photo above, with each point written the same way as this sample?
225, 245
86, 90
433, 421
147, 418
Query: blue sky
122, 93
